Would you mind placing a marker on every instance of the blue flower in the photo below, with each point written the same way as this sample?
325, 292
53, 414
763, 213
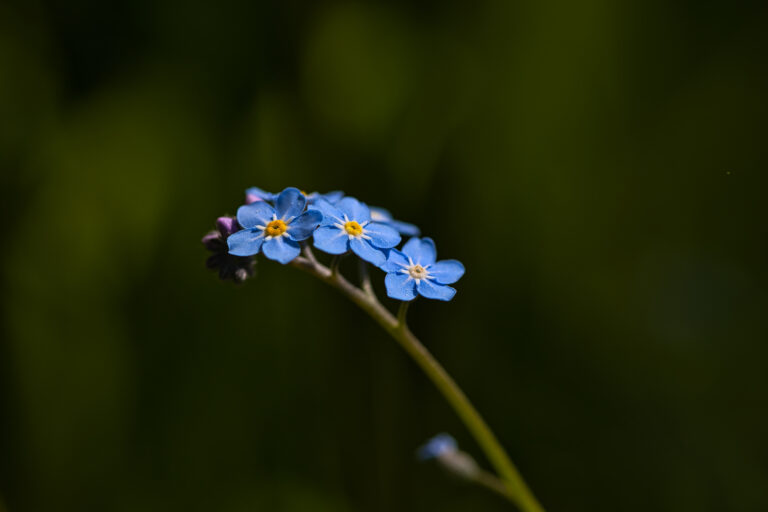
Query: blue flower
383, 216
275, 231
332, 197
441, 444
347, 225
414, 272
255, 194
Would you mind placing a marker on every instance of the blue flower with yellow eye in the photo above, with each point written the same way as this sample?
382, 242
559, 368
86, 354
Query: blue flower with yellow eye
274, 231
255, 194
414, 271
347, 225
383, 216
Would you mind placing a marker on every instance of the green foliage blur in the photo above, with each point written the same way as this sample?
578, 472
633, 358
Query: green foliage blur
599, 167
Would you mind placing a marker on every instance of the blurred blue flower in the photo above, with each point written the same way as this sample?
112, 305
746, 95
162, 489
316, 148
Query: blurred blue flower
255, 194
347, 225
332, 197
440, 445
413, 272
275, 231
385, 217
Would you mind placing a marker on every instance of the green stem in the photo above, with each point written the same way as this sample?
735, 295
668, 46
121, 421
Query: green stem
516, 488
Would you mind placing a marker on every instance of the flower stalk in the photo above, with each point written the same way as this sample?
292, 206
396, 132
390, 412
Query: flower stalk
514, 487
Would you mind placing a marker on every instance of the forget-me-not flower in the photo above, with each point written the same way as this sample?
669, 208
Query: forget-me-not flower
333, 197
383, 216
414, 272
347, 225
275, 231
445, 450
254, 194
439, 445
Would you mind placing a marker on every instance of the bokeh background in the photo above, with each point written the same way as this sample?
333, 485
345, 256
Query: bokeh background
598, 166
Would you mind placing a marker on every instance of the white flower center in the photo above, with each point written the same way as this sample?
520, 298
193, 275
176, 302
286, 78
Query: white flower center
416, 272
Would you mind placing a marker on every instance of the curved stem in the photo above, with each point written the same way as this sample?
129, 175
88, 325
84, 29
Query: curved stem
516, 488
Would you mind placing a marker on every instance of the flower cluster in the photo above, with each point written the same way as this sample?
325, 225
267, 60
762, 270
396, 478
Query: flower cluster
278, 225
236, 268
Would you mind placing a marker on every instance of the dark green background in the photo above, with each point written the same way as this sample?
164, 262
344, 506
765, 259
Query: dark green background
598, 166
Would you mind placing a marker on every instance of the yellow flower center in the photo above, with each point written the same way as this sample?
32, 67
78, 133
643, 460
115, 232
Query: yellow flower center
353, 228
417, 272
276, 228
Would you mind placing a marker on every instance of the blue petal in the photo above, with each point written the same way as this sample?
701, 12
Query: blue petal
354, 209
281, 249
405, 228
382, 236
246, 242
333, 196
302, 227
366, 251
432, 290
290, 203
447, 271
331, 215
421, 250
255, 214
380, 214
331, 240
400, 287
396, 261
258, 194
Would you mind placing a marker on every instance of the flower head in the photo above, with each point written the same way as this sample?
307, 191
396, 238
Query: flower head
275, 231
438, 446
332, 197
383, 216
254, 194
444, 449
236, 268
347, 225
413, 271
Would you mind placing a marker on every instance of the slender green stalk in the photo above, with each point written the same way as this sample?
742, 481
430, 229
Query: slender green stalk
516, 489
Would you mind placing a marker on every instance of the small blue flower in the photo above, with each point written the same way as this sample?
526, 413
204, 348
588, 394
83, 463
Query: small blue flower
275, 231
414, 272
332, 197
441, 444
347, 225
255, 194
383, 216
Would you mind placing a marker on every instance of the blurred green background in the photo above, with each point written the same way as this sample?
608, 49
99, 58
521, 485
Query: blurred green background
598, 166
